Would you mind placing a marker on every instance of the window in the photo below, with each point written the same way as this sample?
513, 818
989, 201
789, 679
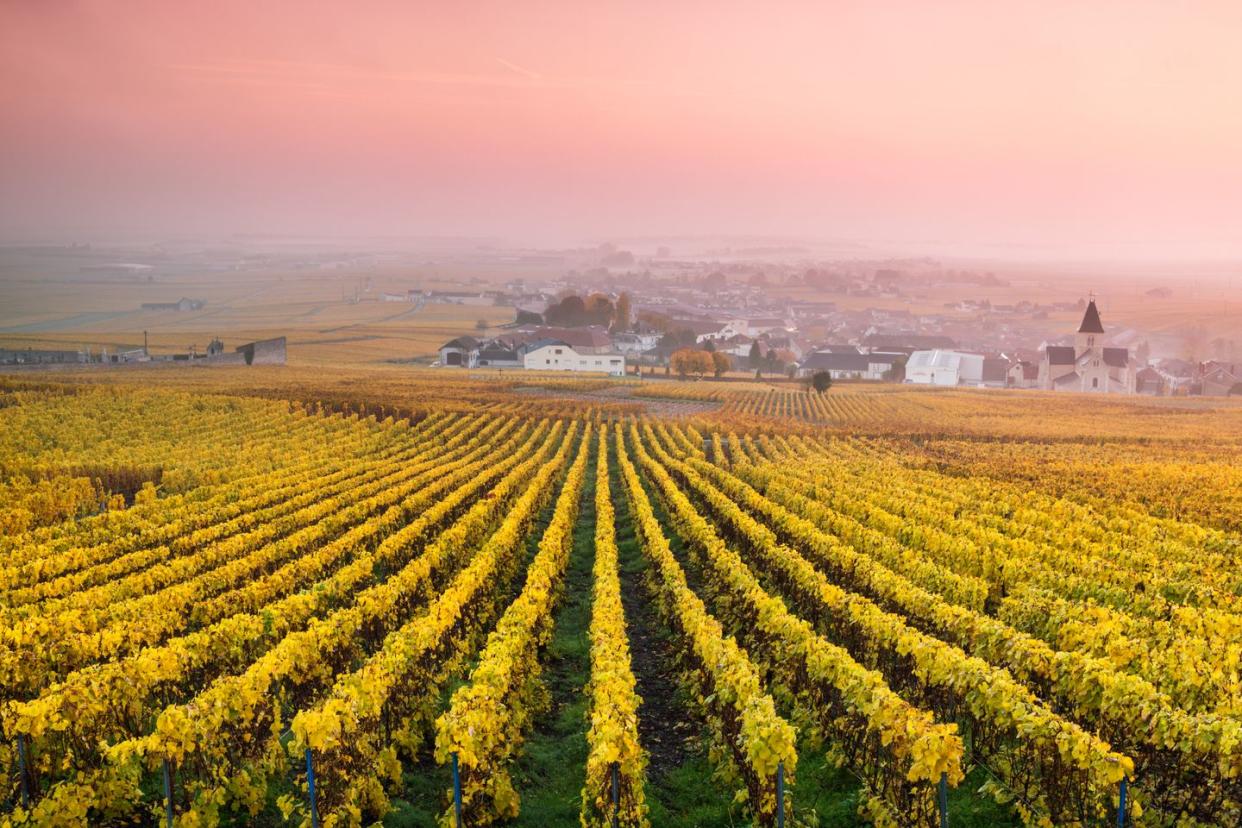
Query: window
557, 351
1095, 382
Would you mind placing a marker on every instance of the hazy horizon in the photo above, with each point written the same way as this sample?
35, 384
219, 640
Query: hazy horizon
1021, 130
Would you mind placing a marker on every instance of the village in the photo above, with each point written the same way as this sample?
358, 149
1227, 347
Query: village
641, 330
733, 311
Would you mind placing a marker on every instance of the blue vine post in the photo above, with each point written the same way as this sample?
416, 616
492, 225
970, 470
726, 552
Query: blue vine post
616, 794
780, 794
942, 800
456, 792
22, 775
310, 789
168, 794
1122, 805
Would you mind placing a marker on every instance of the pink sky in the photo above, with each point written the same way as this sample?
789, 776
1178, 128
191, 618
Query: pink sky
1053, 123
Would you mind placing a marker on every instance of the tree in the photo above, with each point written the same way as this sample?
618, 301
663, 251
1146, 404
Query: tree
821, 381
673, 340
654, 321
709, 346
599, 309
754, 356
525, 317
622, 317
691, 361
721, 364
568, 312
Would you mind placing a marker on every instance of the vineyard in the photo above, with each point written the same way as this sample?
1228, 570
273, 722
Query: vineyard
478, 607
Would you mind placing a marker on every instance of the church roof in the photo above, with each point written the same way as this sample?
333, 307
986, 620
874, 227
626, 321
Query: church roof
1060, 354
1116, 357
1067, 379
1091, 320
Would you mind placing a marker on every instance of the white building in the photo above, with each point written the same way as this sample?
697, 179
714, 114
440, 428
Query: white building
635, 343
944, 368
554, 355
719, 331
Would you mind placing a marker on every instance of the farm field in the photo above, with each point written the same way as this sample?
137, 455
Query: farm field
882, 606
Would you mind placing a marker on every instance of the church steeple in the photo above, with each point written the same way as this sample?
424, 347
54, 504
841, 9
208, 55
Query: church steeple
1091, 320
1088, 331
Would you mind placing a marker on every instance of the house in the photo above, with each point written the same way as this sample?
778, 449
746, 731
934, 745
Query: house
590, 340
459, 297
182, 304
263, 351
260, 352
497, 353
785, 342
462, 352
995, 372
557, 355
1088, 365
1150, 382
942, 367
1023, 374
1218, 379
899, 341
29, 356
849, 366
766, 324
635, 343
707, 330
737, 346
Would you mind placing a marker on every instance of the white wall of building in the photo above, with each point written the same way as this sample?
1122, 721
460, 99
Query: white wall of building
565, 358
944, 368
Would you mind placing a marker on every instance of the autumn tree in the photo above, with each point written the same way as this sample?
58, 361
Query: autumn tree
721, 364
692, 361
621, 320
599, 309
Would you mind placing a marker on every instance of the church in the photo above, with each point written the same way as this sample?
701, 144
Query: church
1088, 365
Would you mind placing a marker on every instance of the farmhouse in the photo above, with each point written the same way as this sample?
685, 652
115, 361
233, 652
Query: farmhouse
462, 352
557, 355
500, 353
849, 366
